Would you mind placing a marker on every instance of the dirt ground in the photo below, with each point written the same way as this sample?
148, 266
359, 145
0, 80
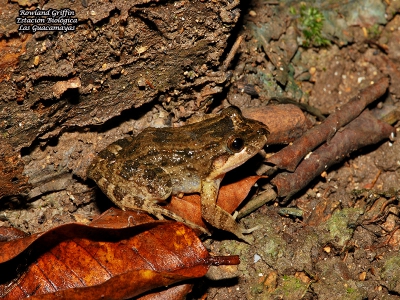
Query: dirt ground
333, 251
342, 239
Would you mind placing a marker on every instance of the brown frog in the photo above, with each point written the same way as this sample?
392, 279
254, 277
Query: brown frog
138, 172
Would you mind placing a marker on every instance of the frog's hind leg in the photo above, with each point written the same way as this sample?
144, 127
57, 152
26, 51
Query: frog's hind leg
215, 215
221, 219
159, 212
143, 198
151, 207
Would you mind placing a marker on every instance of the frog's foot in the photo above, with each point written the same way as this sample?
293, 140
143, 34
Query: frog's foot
250, 230
159, 212
221, 219
248, 239
154, 209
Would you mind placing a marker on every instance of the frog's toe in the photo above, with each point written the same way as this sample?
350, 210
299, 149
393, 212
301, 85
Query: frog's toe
160, 212
159, 216
250, 230
202, 229
240, 233
248, 239
235, 214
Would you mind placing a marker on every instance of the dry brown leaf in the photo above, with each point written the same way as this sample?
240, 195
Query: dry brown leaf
75, 261
233, 194
229, 198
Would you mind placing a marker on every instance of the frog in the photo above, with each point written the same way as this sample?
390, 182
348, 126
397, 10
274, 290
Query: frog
143, 171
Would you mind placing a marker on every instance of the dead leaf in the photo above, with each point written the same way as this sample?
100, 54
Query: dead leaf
189, 207
233, 194
76, 261
177, 292
229, 198
286, 122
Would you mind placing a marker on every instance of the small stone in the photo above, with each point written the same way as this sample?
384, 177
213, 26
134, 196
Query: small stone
141, 83
36, 60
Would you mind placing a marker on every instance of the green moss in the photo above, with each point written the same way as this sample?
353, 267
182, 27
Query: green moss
310, 23
291, 288
340, 226
391, 273
374, 31
350, 291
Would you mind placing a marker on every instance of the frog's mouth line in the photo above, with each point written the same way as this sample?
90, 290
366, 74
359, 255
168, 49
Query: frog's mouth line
224, 164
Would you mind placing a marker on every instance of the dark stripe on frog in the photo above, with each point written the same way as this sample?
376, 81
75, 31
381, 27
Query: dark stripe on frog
211, 146
93, 172
129, 168
216, 130
118, 193
224, 126
190, 134
107, 155
130, 201
162, 135
123, 143
150, 174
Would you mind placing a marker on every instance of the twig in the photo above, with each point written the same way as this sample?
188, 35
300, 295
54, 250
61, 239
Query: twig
289, 157
364, 130
256, 202
231, 53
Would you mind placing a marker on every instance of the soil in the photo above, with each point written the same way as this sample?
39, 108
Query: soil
341, 238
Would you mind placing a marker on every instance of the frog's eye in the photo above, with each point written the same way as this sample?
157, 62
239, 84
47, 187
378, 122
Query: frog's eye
235, 144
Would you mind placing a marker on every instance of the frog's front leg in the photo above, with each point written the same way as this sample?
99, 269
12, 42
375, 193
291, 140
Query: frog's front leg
214, 214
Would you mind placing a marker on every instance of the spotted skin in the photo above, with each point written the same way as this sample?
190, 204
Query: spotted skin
142, 172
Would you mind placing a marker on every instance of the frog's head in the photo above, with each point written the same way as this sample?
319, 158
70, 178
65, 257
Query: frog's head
242, 139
